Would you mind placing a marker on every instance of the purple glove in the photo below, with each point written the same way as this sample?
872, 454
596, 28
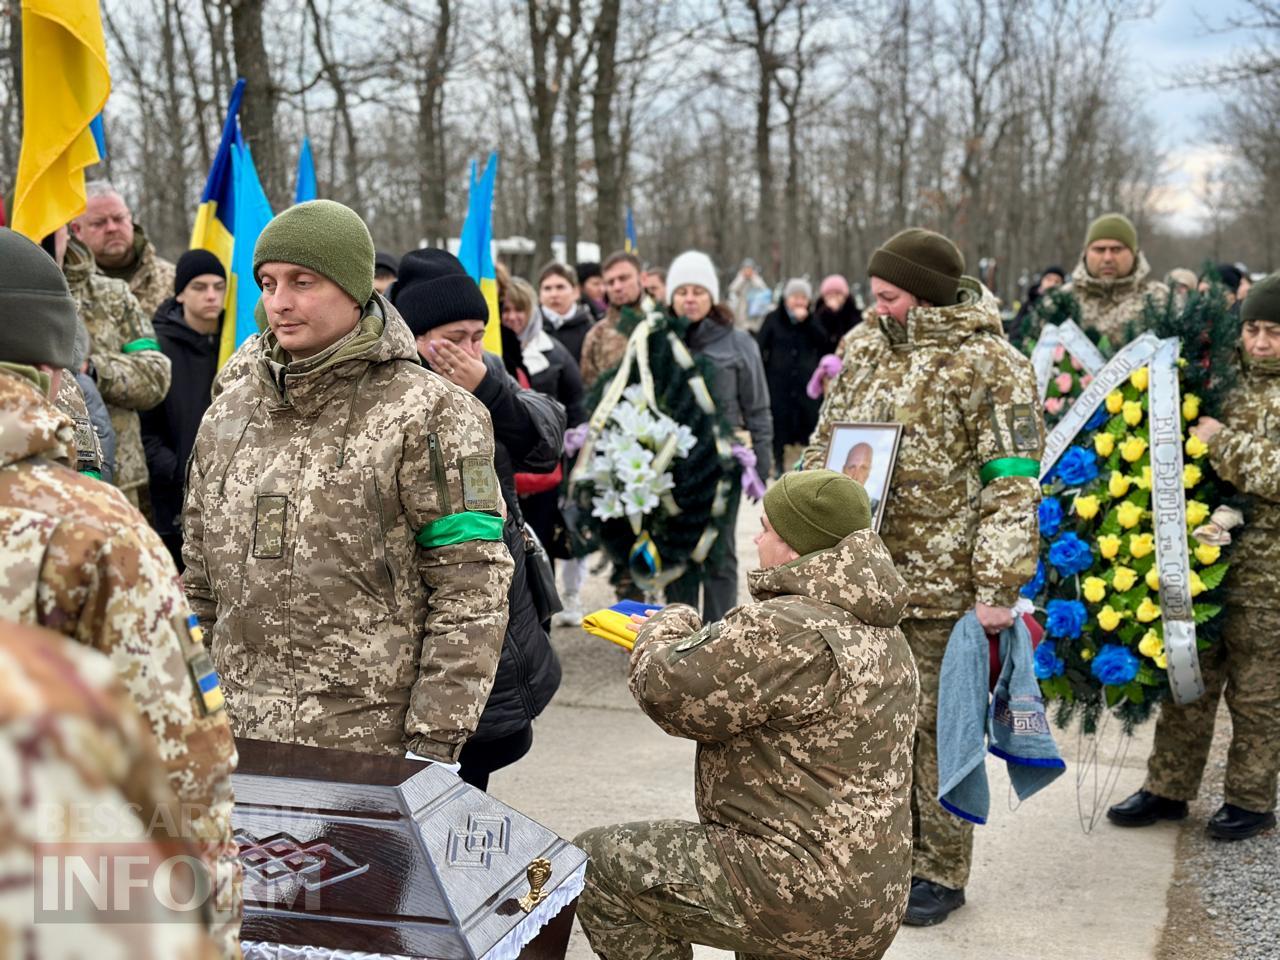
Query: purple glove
828, 367
574, 438
752, 485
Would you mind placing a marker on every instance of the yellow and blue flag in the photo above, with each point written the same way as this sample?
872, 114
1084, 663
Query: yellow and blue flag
233, 210
630, 244
475, 247
306, 188
65, 84
615, 624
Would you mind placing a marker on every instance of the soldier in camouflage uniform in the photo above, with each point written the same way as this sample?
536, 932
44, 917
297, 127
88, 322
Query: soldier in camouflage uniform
960, 516
343, 522
124, 360
80, 560
1245, 450
72, 743
1113, 280
803, 707
120, 247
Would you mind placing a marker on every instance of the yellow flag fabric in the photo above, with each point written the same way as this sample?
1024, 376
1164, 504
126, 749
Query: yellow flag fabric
65, 84
612, 626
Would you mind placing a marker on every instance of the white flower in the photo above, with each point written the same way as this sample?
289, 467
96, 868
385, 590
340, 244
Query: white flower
627, 418
685, 440
632, 459
607, 506
601, 471
637, 501
634, 395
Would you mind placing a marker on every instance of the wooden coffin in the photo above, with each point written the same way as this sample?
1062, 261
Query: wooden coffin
348, 855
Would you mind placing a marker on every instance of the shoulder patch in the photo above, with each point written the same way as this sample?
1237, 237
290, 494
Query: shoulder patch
1023, 428
479, 484
204, 677
709, 632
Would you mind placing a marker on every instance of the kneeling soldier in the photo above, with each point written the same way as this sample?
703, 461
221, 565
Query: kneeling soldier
804, 707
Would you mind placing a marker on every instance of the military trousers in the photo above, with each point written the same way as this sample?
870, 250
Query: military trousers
1246, 665
655, 888
942, 843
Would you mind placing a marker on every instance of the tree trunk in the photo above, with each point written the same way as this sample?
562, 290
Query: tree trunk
432, 155
608, 180
258, 110
329, 67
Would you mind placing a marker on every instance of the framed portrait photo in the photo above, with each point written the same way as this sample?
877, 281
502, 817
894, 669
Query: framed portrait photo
866, 452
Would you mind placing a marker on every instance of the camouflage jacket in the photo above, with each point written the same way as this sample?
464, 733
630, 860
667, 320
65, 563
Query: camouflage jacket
1110, 306
344, 547
71, 401
602, 349
132, 373
72, 743
80, 560
1247, 453
960, 519
151, 282
804, 708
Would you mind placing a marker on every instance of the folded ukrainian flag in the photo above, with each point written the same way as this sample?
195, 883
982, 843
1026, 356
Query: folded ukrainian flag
614, 623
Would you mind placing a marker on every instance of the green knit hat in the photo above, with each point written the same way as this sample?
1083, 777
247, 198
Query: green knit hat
816, 509
38, 318
323, 236
923, 263
1262, 302
1113, 226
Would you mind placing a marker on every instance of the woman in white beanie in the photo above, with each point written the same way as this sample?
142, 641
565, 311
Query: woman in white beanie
741, 396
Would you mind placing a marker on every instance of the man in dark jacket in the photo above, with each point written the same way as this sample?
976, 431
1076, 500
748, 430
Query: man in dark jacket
187, 327
440, 303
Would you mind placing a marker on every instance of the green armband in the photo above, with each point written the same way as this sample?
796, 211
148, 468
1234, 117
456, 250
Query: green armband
459, 528
1009, 467
142, 343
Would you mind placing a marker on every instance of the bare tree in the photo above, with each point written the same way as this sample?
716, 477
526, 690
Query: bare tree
258, 111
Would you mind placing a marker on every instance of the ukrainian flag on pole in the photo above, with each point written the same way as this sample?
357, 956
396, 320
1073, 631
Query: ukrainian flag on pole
65, 85
631, 245
475, 247
233, 210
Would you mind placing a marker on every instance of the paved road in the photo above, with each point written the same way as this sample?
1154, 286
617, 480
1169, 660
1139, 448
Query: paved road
1041, 887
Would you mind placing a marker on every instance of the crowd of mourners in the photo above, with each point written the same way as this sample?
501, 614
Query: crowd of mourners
355, 535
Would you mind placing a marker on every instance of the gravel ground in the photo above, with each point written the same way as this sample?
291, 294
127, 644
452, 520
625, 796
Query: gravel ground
1225, 900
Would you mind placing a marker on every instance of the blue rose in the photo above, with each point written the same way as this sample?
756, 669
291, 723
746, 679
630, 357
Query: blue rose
1100, 416
1048, 663
1070, 555
1077, 467
1066, 618
1050, 517
1114, 665
1036, 583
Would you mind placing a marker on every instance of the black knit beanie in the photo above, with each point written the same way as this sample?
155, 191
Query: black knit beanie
195, 263
925, 264
433, 289
1262, 302
37, 315
586, 270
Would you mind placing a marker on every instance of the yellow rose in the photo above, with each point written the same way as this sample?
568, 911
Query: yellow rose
1151, 645
1162, 661
1115, 401
1190, 475
1133, 449
1125, 578
1129, 514
1207, 553
1108, 619
1132, 412
1196, 448
1143, 482
1139, 378
1086, 507
1147, 611
1197, 511
1153, 579
1109, 545
1197, 585
1118, 485
1095, 589
1104, 443
1140, 544
1086, 654
1190, 407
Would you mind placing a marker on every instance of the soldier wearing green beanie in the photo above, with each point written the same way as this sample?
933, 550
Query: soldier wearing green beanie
803, 704
1113, 279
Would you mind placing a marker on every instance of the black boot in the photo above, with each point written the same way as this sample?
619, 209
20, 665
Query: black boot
1145, 808
1237, 823
930, 903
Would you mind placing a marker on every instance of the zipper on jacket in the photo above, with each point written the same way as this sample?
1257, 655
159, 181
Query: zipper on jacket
437, 471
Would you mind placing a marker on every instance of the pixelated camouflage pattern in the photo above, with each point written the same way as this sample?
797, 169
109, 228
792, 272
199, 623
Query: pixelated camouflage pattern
602, 348
151, 282
1245, 667
1110, 306
80, 560
965, 397
804, 708
329, 625
70, 400
73, 743
128, 382
239, 366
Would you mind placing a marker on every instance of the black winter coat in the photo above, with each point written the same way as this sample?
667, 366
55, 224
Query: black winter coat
791, 352
528, 432
836, 323
573, 331
169, 429
561, 380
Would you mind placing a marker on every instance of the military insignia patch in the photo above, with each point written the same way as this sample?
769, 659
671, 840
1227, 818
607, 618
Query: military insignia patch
268, 526
479, 484
709, 632
205, 679
1023, 428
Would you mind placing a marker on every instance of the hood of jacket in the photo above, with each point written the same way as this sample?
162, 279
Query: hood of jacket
1085, 282
30, 424
77, 265
857, 575
977, 311
381, 336
169, 321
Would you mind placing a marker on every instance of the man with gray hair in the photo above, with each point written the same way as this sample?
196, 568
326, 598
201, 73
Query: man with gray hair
120, 246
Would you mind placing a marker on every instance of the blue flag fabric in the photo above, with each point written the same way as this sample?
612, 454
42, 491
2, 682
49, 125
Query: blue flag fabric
306, 188
475, 247
632, 244
99, 136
